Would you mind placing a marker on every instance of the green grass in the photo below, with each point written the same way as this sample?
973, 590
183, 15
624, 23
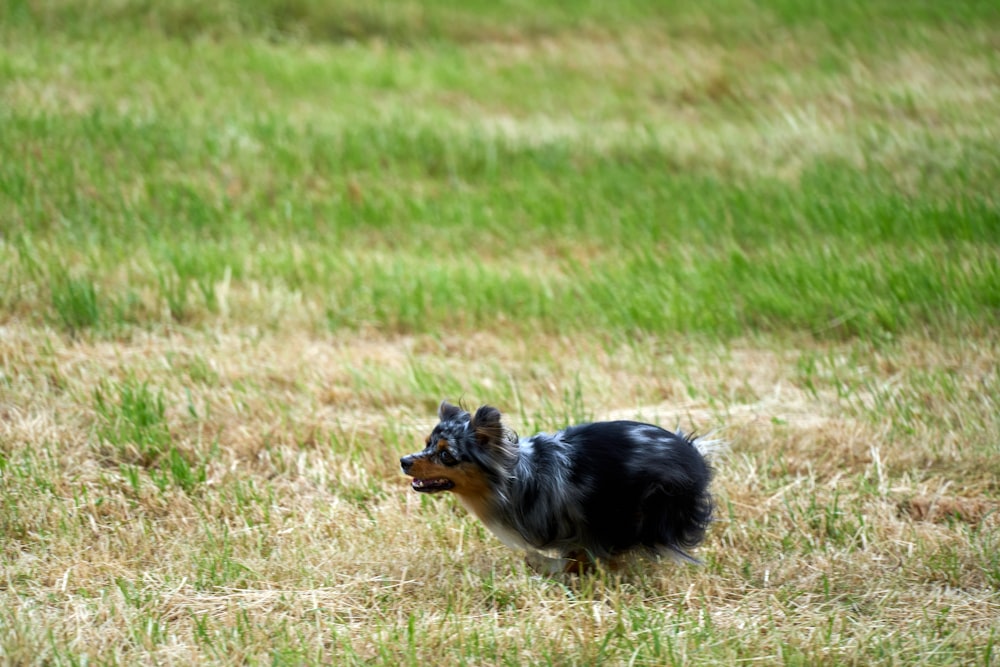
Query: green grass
136, 421
247, 247
623, 178
620, 237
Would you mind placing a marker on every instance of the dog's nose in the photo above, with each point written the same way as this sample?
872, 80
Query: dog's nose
406, 463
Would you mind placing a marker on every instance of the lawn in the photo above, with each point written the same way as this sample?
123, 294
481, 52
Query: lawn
246, 248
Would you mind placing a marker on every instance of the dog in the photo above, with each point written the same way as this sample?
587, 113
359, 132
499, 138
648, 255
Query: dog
592, 494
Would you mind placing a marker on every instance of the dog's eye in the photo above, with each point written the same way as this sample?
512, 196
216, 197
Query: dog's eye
447, 458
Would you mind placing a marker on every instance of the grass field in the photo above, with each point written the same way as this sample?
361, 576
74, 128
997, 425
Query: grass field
247, 247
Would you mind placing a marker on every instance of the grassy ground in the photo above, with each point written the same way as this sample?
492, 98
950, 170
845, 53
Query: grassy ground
246, 248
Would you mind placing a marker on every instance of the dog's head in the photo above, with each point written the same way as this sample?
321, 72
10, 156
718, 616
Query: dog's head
467, 454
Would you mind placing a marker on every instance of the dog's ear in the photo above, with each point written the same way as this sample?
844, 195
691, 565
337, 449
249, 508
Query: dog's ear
486, 425
447, 411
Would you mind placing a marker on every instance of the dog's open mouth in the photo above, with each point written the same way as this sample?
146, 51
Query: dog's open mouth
432, 485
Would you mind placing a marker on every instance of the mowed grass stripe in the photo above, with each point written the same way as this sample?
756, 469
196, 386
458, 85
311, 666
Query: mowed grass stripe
677, 290
146, 220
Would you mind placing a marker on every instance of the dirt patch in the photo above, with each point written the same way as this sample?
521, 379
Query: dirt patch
944, 509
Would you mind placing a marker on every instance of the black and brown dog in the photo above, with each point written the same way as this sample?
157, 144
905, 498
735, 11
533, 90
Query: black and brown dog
590, 493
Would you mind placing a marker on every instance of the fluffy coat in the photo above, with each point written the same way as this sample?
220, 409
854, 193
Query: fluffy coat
590, 493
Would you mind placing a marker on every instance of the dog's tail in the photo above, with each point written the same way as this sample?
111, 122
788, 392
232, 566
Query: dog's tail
711, 447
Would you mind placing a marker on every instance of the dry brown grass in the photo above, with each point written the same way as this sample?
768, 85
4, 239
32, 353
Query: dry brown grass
858, 506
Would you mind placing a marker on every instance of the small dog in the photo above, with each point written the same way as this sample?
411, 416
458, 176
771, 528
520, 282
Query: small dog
592, 493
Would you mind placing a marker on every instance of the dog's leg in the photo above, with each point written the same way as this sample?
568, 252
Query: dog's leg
546, 565
579, 563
